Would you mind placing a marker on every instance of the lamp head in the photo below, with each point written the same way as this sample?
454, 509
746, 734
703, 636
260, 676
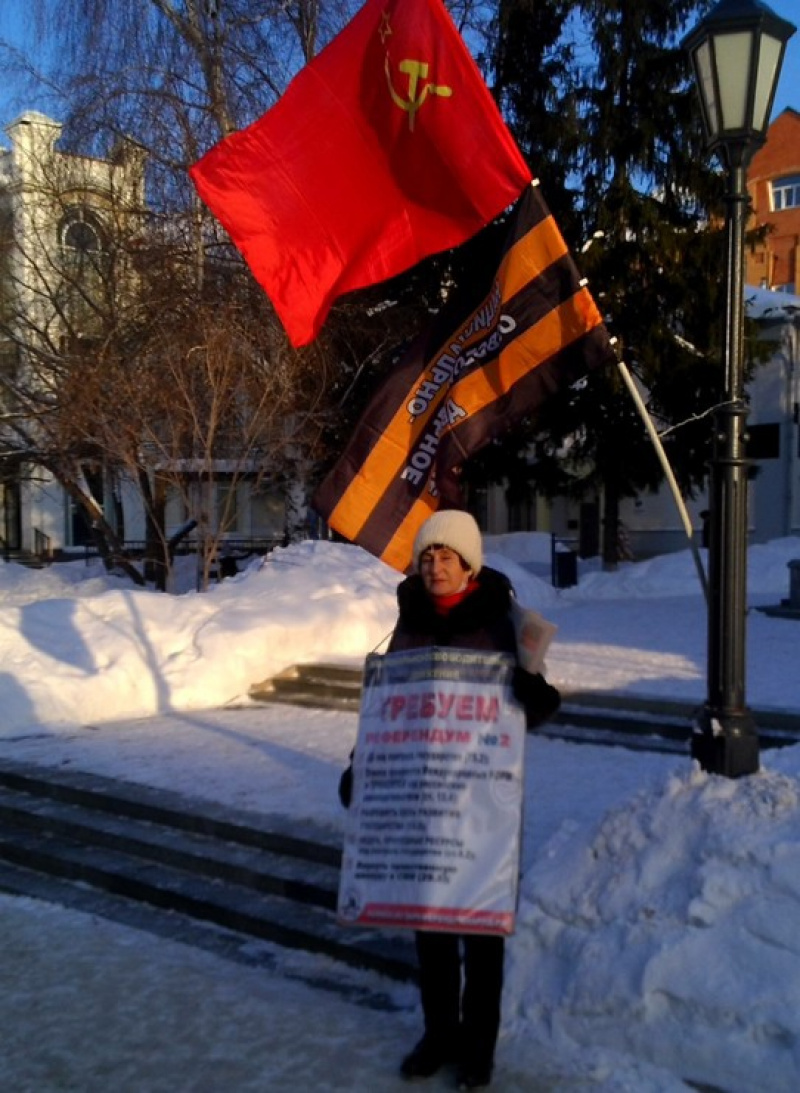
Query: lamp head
736, 54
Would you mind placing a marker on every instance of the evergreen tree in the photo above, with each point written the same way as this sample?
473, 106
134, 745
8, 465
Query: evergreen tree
534, 68
633, 141
648, 187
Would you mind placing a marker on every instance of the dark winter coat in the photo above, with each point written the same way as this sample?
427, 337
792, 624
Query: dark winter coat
482, 621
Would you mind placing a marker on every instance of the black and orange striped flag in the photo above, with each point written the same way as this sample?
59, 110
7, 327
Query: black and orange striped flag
470, 376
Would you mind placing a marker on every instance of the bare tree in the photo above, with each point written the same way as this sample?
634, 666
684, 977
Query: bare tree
117, 360
211, 407
154, 356
67, 280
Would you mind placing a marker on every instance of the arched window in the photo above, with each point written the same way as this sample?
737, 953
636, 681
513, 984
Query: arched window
786, 193
85, 267
81, 235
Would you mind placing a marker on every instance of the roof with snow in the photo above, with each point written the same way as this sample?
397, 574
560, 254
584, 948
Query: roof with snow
762, 303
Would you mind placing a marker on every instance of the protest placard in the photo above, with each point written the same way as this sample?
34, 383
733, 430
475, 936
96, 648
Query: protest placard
432, 839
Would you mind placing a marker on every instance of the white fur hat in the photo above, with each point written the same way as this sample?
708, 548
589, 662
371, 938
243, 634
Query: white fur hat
455, 529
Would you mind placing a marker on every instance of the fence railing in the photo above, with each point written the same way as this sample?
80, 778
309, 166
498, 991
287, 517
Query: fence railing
241, 547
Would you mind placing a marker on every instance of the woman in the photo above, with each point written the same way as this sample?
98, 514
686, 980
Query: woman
452, 599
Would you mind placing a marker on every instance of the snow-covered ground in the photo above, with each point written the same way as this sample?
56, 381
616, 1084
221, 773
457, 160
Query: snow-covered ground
657, 938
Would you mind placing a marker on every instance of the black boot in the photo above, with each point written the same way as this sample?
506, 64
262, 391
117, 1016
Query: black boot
430, 1055
474, 1076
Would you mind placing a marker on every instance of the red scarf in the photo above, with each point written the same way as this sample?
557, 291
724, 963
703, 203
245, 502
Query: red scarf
443, 605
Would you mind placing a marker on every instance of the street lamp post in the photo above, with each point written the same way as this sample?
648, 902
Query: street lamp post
736, 54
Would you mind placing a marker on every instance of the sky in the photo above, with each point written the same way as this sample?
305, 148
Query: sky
15, 28
788, 93
656, 936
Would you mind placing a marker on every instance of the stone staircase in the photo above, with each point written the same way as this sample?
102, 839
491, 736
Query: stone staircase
27, 558
332, 686
132, 853
224, 880
652, 724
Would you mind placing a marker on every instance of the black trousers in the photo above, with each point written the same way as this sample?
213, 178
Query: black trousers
466, 1015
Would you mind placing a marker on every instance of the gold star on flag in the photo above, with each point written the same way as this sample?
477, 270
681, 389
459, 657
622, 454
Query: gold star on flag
385, 30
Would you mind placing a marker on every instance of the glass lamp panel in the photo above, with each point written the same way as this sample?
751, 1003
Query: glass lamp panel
769, 59
708, 93
733, 54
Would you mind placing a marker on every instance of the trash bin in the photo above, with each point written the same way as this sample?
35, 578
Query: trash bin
794, 582
565, 567
227, 566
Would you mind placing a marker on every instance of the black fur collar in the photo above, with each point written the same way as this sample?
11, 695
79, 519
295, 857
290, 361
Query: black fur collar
488, 603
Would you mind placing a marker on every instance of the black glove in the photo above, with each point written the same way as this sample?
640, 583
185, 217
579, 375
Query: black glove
346, 786
540, 700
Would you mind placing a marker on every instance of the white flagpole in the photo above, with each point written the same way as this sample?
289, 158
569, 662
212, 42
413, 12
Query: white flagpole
673, 485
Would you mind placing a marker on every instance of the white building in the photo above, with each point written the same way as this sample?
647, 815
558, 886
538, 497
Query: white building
652, 521
774, 423
61, 217
58, 213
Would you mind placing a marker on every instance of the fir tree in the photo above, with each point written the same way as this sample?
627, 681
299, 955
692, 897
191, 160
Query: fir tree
534, 65
626, 145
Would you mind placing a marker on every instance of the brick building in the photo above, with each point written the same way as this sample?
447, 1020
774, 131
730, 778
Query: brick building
773, 181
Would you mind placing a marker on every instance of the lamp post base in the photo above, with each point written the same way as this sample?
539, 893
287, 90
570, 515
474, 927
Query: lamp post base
726, 743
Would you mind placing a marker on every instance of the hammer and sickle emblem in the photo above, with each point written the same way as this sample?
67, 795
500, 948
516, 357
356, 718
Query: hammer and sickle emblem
416, 71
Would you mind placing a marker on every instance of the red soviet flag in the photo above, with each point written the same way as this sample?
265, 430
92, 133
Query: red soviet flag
387, 147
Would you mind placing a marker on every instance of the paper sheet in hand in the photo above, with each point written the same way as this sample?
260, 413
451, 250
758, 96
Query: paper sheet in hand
534, 635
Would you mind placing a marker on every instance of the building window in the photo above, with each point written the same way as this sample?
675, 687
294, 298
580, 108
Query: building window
81, 233
9, 361
85, 267
79, 528
227, 505
764, 441
84, 249
267, 512
786, 193
522, 512
81, 236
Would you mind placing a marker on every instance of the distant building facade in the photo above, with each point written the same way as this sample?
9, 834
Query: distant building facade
651, 522
60, 216
772, 298
773, 181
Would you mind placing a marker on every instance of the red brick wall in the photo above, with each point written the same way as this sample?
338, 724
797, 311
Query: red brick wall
775, 262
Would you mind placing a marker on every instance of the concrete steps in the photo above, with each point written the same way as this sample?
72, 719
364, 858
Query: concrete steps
26, 558
331, 686
158, 850
654, 724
